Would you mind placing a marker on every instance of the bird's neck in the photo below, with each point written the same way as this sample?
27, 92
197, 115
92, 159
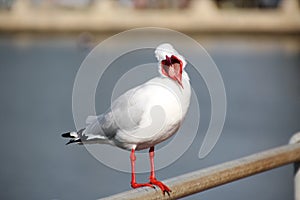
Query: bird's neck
186, 92
185, 76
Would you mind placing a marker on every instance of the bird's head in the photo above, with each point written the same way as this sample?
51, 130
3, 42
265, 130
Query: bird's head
171, 63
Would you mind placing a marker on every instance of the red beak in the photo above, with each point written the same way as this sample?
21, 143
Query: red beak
172, 67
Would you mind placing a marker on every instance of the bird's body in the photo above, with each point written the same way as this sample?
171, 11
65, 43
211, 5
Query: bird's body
125, 123
145, 115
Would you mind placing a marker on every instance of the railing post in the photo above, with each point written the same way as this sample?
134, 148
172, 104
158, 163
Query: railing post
293, 140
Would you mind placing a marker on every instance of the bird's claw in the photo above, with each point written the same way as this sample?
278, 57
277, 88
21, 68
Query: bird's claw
165, 189
168, 192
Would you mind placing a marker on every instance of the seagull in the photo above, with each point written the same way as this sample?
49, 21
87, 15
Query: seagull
143, 116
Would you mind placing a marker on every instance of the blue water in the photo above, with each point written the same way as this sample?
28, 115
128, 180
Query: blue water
261, 77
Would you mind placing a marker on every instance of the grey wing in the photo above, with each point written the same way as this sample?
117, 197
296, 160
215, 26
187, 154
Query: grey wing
124, 114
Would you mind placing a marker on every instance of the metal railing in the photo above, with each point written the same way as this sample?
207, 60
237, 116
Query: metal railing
205, 179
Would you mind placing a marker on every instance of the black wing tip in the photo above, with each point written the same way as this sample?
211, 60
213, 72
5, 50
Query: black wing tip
66, 135
73, 141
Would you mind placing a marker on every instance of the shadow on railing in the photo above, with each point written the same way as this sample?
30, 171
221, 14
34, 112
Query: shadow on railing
205, 179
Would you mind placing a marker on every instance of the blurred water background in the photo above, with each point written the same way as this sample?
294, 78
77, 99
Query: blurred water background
37, 72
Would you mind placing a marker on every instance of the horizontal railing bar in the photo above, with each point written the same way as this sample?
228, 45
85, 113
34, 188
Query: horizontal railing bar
204, 179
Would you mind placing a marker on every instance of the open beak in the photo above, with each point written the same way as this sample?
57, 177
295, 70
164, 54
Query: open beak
175, 73
172, 67
180, 82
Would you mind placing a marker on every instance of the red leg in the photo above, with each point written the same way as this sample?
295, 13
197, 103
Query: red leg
163, 187
133, 181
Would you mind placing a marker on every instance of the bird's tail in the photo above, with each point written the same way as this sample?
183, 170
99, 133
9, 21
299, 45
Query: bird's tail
75, 136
